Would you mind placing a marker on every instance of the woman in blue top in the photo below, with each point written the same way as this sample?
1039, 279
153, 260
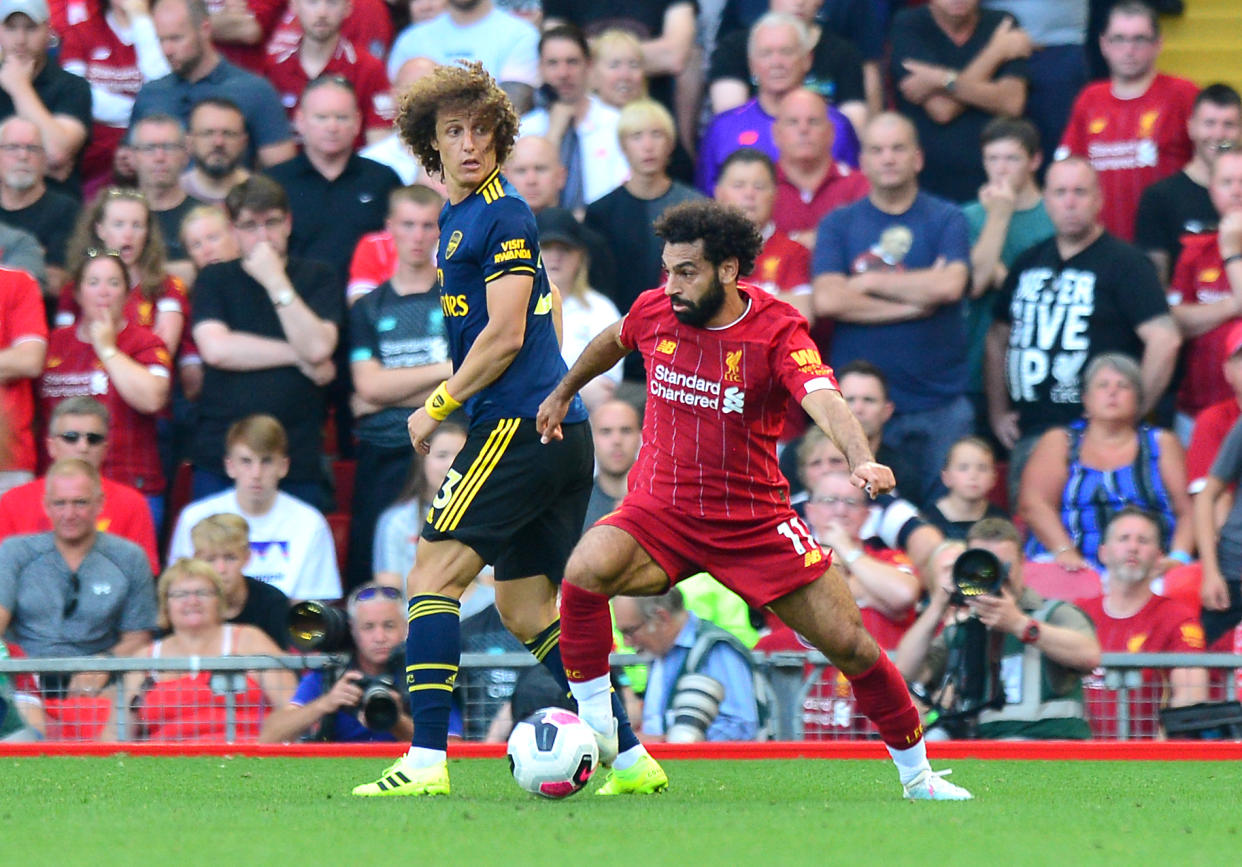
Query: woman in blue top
1079, 476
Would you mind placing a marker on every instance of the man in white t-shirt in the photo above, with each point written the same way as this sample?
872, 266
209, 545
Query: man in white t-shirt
506, 45
290, 542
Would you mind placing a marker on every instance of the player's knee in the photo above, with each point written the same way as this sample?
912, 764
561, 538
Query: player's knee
525, 623
585, 570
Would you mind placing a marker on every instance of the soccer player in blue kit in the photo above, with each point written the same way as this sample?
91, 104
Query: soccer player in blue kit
508, 500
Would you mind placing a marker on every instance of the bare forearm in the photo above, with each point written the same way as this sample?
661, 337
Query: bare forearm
996, 346
485, 363
237, 27
1068, 647
62, 138
1004, 97
1156, 370
913, 647
832, 415
397, 386
131, 643
290, 722
312, 339
926, 287
833, 296
1194, 320
985, 255
1189, 686
23, 361
600, 355
1205, 524
137, 386
239, 350
894, 591
1044, 522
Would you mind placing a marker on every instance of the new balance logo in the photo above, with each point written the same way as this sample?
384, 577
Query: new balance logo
734, 400
812, 557
666, 347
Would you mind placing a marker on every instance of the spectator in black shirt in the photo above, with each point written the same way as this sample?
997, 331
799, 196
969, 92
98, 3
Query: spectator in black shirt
25, 201
223, 542
31, 87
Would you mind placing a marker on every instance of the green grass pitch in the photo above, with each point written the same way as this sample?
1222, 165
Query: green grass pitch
226, 811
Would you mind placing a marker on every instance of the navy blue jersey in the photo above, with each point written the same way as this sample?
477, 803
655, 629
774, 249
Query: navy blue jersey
487, 235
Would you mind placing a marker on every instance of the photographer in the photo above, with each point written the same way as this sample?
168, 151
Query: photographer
1036, 651
377, 623
701, 685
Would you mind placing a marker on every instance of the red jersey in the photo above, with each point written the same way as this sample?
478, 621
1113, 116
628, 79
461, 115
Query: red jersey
109, 64
21, 320
1200, 278
1160, 626
1211, 427
266, 14
138, 310
717, 399
783, 265
124, 513
797, 210
374, 261
1132, 143
364, 72
73, 370
368, 26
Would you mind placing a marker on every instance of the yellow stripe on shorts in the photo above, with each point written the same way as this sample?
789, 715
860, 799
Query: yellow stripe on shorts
497, 441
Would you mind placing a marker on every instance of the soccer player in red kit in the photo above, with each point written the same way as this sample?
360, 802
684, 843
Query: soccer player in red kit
707, 494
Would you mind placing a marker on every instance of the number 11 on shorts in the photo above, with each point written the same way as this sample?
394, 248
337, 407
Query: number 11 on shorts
797, 534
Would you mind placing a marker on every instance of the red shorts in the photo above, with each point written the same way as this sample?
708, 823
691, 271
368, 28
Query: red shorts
760, 559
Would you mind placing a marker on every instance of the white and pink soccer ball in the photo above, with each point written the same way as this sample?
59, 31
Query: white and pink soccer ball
552, 753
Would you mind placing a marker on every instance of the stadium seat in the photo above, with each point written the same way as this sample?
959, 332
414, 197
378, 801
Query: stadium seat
999, 495
338, 523
343, 472
1182, 584
1055, 582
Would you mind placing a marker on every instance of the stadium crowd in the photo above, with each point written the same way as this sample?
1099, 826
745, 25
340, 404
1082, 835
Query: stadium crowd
1018, 244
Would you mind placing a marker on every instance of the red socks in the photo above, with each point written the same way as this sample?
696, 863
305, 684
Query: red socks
883, 697
586, 633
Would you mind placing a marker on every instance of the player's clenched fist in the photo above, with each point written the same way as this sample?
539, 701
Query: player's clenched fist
873, 478
421, 426
548, 419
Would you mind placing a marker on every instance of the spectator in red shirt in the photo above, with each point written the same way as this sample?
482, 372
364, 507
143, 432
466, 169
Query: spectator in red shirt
809, 182
23, 348
79, 428
322, 50
747, 181
1205, 295
882, 579
1129, 618
116, 51
120, 221
1214, 423
1132, 127
119, 362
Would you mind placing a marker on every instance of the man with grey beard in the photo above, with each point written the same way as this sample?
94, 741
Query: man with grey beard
25, 201
1130, 618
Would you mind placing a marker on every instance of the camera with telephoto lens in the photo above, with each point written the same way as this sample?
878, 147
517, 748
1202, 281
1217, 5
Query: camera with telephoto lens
314, 626
977, 572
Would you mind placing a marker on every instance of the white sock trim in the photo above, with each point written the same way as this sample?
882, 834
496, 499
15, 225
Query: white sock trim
594, 699
423, 757
911, 761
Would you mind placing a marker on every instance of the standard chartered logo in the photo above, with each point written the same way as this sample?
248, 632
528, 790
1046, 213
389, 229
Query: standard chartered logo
691, 390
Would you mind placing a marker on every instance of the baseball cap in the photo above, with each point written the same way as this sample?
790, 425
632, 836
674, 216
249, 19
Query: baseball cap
1233, 340
35, 10
558, 224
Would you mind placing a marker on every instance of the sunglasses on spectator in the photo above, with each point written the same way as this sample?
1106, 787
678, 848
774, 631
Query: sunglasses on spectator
71, 599
372, 592
199, 593
92, 438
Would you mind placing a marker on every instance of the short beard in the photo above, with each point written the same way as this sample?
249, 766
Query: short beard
219, 172
1129, 575
21, 181
699, 313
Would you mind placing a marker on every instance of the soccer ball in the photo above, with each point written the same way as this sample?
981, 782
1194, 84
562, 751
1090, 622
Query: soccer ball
552, 753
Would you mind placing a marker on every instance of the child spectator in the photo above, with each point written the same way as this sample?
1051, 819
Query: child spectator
223, 543
970, 474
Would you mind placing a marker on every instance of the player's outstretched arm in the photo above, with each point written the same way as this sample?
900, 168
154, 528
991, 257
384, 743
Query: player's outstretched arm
828, 409
601, 354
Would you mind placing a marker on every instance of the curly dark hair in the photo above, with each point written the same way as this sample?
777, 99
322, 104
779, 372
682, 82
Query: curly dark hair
724, 230
466, 86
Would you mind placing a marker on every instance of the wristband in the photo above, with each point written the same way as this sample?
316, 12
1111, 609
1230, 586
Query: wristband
1062, 550
110, 352
440, 405
1229, 260
1182, 557
852, 557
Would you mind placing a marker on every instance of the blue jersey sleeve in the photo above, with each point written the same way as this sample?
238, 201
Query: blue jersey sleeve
512, 244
